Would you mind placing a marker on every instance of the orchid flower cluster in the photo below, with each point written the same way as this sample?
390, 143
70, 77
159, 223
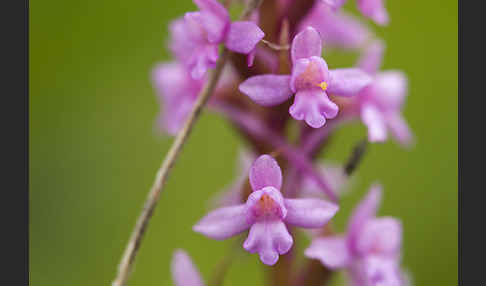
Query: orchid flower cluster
286, 101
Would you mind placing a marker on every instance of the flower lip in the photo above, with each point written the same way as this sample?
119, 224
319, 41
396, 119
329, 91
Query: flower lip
266, 203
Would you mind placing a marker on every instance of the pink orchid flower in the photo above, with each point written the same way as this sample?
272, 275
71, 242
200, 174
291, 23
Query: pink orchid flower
266, 213
370, 251
310, 81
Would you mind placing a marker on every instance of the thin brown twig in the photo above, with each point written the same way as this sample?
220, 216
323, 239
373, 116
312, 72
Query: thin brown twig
283, 55
276, 46
133, 245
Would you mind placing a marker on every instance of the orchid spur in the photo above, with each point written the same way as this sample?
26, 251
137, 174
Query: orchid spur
266, 213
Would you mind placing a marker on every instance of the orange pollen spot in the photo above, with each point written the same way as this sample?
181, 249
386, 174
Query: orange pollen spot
266, 203
323, 85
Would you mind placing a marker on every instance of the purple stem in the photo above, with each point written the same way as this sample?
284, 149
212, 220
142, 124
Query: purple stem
311, 143
259, 129
315, 139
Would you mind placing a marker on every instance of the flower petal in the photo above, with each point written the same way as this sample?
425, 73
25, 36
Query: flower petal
306, 44
180, 43
399, 128
176, 92
215, 28
224, 222
202, 59
167, 77
214, 18
184, 273
193, 27
267, 90
365, 211
336, 28
243, 36
372, 57
334, 4
265, 172
375, 122
313, 106
377, 270
332, 251
381, 236
390, 89
309, 213
375, 10
212, 6
348, 81
173, 116
269, 238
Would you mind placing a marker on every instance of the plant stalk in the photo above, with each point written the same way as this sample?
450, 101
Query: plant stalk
133, 245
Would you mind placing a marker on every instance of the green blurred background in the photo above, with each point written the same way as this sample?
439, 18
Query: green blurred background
94, 153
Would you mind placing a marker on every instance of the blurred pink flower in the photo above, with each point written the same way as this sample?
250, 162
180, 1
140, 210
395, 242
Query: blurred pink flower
373, 9
370, 250
184, 273
195, 38
176, 92
337, 28
381, 102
